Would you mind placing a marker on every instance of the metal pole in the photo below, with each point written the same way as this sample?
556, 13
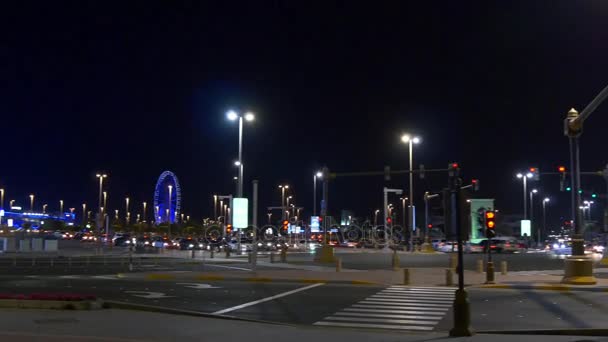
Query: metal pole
531, 214
525, 198
544, 222
325, 202
314, 196
214, 207
578, 222
241, 171
255, 226
283, 202
385, 224
426, 214
411, 199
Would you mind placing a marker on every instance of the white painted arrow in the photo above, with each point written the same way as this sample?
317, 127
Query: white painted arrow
148, 294
198, 286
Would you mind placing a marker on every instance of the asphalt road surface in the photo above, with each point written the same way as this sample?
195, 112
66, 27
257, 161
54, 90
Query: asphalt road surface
338, 305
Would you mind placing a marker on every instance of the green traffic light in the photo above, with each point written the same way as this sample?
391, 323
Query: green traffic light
593, 195
568, 189
580, 191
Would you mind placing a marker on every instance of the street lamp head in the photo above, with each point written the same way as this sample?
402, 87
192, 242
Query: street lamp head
519, 175
232, 115
249, 116
405, 138
319, 174
416, 140
237, 163
235, 178
547, 199
529, 175
534, 190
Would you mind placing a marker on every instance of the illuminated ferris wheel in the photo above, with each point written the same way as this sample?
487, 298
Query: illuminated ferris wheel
167, 198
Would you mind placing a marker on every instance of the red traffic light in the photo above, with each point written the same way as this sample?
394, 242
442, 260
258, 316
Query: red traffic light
561, 168
532, 169
430, 225
389, 220
473, 181
454, 165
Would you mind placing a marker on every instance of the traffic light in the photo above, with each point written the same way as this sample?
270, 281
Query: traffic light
535, 173
389, 220
562, 177
475, 183
568, 188
421, 174
453, 169
228, 229
490, 223
593, 195
285, 225
430, 225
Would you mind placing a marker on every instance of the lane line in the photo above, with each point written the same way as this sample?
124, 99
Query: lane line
424, 288
356, 314
406, 299
266, 299
377, 326
410, 291
404, 307
230, 267
379, 320
438, 313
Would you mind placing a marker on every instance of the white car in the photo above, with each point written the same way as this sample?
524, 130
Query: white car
448, 246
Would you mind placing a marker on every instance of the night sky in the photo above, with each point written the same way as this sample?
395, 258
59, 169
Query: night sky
135, 88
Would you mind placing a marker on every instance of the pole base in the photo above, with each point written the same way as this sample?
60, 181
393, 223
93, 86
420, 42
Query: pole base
604, 260
462, 315
326, 254
427, 248
578, 271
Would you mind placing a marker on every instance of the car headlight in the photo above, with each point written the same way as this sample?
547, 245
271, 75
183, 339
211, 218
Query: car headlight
147, 243
190, 246
555, 246
165, 244
599, 248
200, 245
259, 244
127, 242
269, 244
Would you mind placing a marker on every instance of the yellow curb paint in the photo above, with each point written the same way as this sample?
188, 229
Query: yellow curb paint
362, 282
159, 277
580, 280
551, 288
312, 281
496, 286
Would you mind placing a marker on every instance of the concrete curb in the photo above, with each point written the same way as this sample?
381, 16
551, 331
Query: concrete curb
50, 304
542, 287
554, 332
203, 277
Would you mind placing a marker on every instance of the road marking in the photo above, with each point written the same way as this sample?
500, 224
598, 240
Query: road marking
70, 277
105, 277
376, 326
432, 299
267, 299
435, 293
380, 315
380, 320
405, 302
230, 267
198, 286
400, 306
148, 294
438, 313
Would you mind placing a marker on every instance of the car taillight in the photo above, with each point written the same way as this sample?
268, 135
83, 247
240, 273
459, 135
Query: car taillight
492, 246
507, 244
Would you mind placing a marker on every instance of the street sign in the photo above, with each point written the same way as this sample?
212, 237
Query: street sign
240, 209
314, 224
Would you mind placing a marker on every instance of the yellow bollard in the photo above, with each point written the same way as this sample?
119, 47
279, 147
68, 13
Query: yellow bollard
490, 273
271, 258
338, 264
284, 255
480, 266
503, 267
395, 261
453, 261
406, 276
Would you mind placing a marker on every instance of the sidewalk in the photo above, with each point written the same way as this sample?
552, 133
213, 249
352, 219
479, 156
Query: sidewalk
418, 277
119, 325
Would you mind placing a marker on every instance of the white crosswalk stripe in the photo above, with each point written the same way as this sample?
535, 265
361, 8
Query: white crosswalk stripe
396, 307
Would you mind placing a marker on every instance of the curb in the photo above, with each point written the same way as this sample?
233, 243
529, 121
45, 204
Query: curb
167, 276
556, 332
556, 287
50, 304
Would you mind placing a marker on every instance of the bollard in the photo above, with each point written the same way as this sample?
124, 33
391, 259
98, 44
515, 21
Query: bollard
449, 277
227, 252
211, 254
271, 258
395, 261
503, 267
453, 261
192, 253
250, 258
480, 266
284, 255
406, 276
490, 273
338, 264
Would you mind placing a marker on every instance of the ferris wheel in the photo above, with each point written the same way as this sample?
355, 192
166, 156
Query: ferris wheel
167, 198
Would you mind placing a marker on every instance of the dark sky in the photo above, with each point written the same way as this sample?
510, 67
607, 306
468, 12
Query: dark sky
135, 88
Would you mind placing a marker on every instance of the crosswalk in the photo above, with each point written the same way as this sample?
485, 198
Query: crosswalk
396, 307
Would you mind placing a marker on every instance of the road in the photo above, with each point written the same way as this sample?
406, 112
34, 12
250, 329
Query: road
337, 305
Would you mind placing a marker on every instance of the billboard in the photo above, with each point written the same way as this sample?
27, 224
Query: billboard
525, 228
477, 208
240, 217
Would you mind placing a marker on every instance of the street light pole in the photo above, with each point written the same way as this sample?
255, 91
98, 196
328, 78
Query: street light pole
84, 214
524, 178
318, 174
144, 213
544, 220
32, 203
169, 211
105, 200
232, 115
61, 207
406, 138
126, 211
532, 210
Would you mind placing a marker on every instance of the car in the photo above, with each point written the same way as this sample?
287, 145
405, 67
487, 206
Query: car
474, 247
448, 246
502, 245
